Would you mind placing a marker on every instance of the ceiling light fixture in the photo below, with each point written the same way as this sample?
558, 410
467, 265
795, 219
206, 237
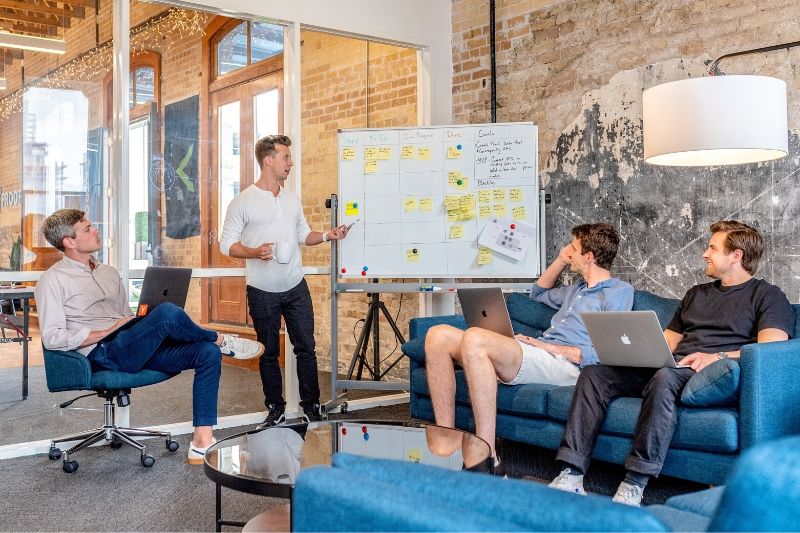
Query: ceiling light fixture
717, 119
30, 42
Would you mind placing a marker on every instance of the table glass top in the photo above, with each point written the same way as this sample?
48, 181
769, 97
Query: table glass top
276, 455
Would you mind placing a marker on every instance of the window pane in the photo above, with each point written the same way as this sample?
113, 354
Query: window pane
144, 84
232, 50
228, 169
138, 196
266, 40
266, 117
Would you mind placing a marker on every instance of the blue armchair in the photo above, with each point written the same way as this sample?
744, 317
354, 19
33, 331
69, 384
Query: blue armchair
762, 494
68, 371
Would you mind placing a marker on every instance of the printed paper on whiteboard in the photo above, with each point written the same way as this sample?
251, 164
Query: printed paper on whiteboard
508, 237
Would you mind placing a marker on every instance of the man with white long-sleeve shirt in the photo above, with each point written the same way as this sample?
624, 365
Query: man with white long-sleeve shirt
262, 215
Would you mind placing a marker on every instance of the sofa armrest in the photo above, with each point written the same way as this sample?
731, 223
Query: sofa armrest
770, 388
67, 371
421, 497
418, 327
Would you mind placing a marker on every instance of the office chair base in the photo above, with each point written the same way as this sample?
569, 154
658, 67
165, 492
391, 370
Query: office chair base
115, 436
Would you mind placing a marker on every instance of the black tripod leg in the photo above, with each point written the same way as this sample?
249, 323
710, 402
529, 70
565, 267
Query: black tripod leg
397, 333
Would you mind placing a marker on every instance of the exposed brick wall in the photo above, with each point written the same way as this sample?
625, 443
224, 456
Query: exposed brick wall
341, 89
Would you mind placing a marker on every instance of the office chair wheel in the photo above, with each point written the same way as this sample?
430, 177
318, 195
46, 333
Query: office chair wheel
54, 453
148, 461
172, 445
70, 466
343, 408
116, 443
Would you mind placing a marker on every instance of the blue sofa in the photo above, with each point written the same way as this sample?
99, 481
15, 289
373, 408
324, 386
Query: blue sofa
707, 440
361, 494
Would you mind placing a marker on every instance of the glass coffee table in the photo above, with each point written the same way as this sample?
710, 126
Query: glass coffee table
267, 461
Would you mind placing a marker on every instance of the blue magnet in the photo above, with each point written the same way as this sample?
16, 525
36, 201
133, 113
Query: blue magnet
458, 146
366, 268
366, 436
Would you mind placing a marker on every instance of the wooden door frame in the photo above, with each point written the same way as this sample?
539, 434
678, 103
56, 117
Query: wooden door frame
210, 83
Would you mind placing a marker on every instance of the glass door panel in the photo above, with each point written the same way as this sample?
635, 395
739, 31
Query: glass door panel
229, 166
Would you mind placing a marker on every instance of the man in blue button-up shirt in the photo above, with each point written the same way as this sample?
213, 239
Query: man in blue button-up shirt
554, 358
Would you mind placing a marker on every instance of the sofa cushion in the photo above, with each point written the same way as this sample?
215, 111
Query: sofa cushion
703, 503
415, 349
665, 308
715, 430
716, 384
528, 317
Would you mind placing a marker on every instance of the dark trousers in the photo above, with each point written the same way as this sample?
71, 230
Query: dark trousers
168, 341
295, 305
597, 386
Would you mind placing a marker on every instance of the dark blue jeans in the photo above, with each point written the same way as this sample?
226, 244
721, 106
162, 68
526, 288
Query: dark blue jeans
295, 305
597, 386
168, 341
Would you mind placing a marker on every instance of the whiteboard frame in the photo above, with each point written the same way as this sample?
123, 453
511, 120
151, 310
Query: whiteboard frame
530, 267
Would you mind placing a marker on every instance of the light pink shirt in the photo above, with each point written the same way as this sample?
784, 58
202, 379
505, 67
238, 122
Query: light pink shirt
72, 300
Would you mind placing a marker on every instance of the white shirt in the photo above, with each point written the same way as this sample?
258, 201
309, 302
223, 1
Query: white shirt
72, 300
256, 216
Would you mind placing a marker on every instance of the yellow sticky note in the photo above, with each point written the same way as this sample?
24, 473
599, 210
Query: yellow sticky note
410, 204
466, 201
484, 196
453, 152
370, 166
424, 153
348, 153
518, 213
467, 213
456, 179
370, 153
351, 209
484, 255
499, 195
414, 455
450, 201
516, 195
499, 210
384, 152
426, 204
456, 231
407, 152
453, 215
412, 255
485, 211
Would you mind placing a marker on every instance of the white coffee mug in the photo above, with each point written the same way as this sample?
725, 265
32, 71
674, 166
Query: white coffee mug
283, 251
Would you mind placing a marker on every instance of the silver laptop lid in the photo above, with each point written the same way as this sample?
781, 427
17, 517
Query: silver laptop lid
486, 308
628, 338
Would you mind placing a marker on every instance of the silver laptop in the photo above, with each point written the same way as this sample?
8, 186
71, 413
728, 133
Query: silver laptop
628, 338
486, 308
160, 285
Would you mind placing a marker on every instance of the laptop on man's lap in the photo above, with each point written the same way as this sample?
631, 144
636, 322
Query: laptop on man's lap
160, 285
628, 338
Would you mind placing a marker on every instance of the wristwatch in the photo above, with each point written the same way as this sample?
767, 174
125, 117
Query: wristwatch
722, 355
325, 237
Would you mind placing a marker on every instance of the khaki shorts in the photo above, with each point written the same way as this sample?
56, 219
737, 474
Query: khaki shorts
540, 366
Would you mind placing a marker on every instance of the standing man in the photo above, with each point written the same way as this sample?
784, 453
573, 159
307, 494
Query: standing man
262, 215
713, 321
556, 357
81, 301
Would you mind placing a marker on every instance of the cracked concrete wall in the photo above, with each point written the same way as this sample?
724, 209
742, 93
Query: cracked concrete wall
578, 69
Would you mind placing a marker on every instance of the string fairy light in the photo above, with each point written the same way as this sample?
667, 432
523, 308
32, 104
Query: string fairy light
161, 33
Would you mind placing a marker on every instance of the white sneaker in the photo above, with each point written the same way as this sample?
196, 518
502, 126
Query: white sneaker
196, 455
240, 347
629, 494
569, 482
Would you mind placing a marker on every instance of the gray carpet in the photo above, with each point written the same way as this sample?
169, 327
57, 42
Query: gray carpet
112, 492
167, 402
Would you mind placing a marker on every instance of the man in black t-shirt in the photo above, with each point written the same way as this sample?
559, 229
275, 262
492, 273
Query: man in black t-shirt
713, 321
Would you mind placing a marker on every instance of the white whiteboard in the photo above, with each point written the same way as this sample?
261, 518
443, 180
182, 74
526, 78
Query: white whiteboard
422, 196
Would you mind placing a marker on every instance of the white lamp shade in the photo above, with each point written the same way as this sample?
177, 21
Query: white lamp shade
30, 42
715, 120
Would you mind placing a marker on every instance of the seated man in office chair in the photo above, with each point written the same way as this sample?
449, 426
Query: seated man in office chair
554, 358
81, 301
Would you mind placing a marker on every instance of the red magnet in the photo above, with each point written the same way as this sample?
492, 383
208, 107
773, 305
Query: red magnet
344, 271
344, 431
513, 226
363, 272
363, 429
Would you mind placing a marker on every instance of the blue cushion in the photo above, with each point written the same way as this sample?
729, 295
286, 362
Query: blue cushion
665, 308
529, 315
415, 349
715, 385
108, 379
703, 503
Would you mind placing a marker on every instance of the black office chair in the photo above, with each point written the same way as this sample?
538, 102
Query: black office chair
67, 371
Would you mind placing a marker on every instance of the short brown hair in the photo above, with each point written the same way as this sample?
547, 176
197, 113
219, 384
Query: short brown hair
61, 224
266, 146
742, 237
601, 239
